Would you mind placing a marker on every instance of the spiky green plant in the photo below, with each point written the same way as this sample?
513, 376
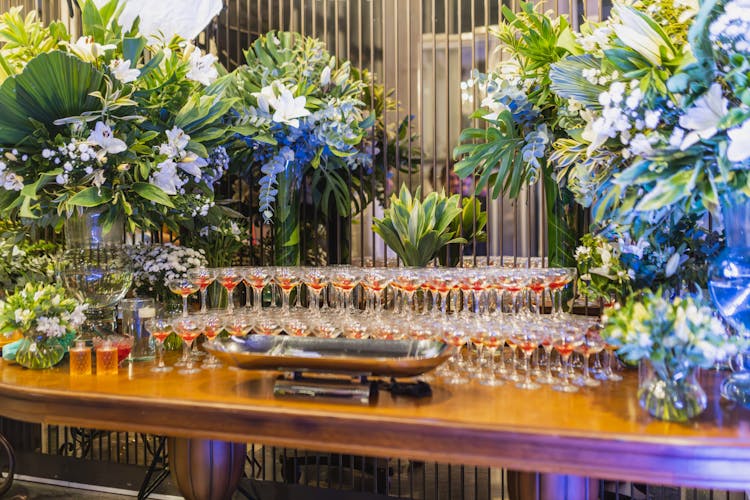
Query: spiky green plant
417, 230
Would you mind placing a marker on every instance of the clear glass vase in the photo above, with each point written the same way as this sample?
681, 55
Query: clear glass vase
286, 219
95, 268
39, 352
729, 285
670, 391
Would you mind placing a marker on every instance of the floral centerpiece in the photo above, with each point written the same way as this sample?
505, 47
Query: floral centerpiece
47, 319
23, 260
112, 121
675, 337
154, 266
302, 117
601, 275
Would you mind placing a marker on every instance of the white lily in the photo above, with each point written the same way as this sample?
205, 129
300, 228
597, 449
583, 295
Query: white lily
87, 49
265, 97
703, 118
103, 137
177, 141
288, 109
202, 69
192, 164
122, 71
739, 143
165, 177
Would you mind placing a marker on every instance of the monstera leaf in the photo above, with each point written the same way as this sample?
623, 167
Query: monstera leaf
52, 86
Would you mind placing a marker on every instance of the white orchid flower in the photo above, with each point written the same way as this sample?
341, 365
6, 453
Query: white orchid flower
288, 109
165, 177
202, 69
703, 118
103, 137
739, 143
122, 71
192, 164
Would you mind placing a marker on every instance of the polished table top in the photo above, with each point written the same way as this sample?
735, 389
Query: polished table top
599, 432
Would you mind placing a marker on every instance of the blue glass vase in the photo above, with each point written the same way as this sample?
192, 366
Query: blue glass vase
729, 285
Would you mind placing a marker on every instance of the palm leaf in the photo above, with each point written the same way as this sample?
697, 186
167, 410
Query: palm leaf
568, 81
52, 86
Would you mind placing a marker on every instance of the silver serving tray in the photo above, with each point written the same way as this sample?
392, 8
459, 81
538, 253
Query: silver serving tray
395, 358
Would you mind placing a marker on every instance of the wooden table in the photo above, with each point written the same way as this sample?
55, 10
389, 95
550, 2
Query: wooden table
598, 433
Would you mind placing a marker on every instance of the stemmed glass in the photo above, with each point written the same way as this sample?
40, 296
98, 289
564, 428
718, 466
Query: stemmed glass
559, 280
267, 324
537, 284
159, 328
477, 336
375, 281
442, 283
295, 325
256, 278
510, 327
229, 278
287, 278
456, 335
528, 341
213, 324
565, 343
353, 326
184, 288
546, 337
408, 281
239, 324
316, 280
345, 279
324, 327
592, 344
493, 340
202, 277
189, 328
609, 373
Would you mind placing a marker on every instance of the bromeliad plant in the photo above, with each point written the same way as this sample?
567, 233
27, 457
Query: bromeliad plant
418, 230
111, 120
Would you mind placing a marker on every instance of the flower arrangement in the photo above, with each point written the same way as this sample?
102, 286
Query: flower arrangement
39, 309
113, 120
221, 241
301, 111
155, 265
675, 336
601, 275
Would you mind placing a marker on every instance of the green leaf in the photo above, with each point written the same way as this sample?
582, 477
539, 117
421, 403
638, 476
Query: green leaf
132, 48
152, 193
91, 197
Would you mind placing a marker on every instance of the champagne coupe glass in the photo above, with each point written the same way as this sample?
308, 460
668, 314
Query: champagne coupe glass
514, 282
268, 324
239, 324
325, 327
478, 332
528, 341
345, 279
295, 325
386, 328
229, 277
565, 342
213, 324
202, 277
287, 278
256, 278
188, 328
546, 337
408, 280
456, 335
375, 281
493, 340
316, 280
354, 326
184, 288
509, 327
608, 373
558, 281
592, 344
537, 285
442, 282
159, 328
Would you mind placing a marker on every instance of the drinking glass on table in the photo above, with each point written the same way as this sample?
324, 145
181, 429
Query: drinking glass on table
268, 323
213, 324
184, 288
375, 281
565, 342
202, 277
239, 324
493, 340
456, 335
295, 325
255, 279
159, 329
592, 344
345, 279
546, 337
189, 328
316, 280
559, 279
287, 278
229, 278
527, 339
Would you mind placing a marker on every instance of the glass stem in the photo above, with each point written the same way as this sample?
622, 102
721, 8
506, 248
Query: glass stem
189, 355
527, 368
548, 369
586, 367
204, 293
184, 306
160, 354
257, 298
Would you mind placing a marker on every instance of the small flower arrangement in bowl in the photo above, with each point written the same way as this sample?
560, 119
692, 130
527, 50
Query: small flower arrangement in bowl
46, 318
674, 338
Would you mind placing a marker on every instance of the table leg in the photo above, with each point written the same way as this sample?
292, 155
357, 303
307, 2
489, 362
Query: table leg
7, 465
536, 486
204, 469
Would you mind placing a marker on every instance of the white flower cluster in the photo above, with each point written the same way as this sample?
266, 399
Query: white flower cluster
597, 40
730, 32
170, 174
202, 66
77, 158
9, 180
622, 117
155, 265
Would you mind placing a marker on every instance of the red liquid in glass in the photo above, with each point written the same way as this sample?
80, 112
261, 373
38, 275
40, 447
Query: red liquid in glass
492, 342
160, 336
229, 283
565, 349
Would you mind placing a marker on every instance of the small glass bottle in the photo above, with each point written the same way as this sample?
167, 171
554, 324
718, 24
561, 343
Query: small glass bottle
106, 359
80, 359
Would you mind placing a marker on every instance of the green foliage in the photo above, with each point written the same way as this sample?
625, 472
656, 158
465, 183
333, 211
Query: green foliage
24, 38
469, 225
417, 230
